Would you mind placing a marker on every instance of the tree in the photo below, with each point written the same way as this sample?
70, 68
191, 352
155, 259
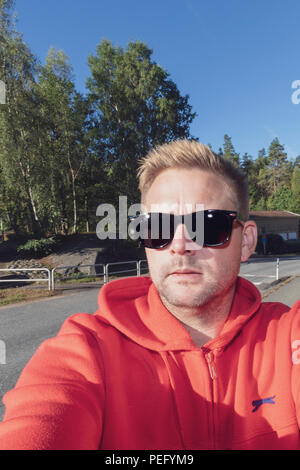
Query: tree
18, 124
249, 167
255, 168
295, 181
6, 7
247, 164
260, 205
220, 152
65, 112
278, 168
137, 106
297, 161
229, 151
295, 187
281, 200
274, 171
262, 159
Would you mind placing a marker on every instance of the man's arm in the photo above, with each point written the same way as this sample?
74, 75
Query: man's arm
58, 399
295, 357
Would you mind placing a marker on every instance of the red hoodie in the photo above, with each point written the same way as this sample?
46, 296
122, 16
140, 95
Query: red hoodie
130, 377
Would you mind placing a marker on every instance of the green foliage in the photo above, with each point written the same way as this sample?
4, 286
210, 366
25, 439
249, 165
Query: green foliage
137, 106
37, 248
277, 171
261, 205
62, 154
65, 124
229, 151
274, 181
281, 199
295, 181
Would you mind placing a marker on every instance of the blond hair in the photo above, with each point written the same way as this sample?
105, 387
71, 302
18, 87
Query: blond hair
192, 154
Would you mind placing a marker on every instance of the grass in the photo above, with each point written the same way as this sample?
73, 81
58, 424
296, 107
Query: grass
71, 279
18, 294
14, 295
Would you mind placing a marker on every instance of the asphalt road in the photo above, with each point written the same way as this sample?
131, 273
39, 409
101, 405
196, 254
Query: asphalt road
287, 292
23, 327
263, 271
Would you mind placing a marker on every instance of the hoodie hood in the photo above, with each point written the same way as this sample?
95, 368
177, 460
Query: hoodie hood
133, 306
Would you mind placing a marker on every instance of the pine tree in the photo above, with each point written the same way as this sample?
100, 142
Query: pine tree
229, 151
277, 166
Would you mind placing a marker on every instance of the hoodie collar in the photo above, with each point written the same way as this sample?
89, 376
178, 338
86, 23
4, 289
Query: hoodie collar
246, 303
133, 306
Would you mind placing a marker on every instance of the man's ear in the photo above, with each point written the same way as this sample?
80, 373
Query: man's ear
249, 240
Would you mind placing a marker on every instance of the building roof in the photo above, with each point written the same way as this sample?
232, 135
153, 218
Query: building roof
285, 214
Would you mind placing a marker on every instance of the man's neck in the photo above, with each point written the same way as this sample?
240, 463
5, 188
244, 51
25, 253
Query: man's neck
206, 321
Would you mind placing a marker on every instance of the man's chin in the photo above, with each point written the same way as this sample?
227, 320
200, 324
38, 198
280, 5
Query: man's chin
184, 296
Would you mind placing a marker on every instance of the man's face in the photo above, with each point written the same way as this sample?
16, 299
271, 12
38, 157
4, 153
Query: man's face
185, 274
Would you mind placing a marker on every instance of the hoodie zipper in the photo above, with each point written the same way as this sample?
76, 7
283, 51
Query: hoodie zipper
209, 357
211, 366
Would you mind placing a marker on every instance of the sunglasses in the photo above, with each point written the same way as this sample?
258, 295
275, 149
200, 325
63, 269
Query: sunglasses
207, 228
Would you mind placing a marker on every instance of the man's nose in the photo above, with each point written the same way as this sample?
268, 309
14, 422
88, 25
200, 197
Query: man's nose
182, 243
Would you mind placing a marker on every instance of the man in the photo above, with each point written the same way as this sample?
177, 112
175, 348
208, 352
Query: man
188, 358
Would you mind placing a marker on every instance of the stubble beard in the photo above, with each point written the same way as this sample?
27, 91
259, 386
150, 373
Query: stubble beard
186, 295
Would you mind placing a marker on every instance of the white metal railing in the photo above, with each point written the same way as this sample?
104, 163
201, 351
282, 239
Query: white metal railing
139, 266
123, 271
276, 275
83, 274
105, 268
51, 279
30, 279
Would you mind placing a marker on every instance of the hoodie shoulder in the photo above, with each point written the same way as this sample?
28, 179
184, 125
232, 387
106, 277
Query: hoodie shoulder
126, 289
119, 291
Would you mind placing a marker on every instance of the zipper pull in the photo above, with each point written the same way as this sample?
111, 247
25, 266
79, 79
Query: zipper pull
209, 358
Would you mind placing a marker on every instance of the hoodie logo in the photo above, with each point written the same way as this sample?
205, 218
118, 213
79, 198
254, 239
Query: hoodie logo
257, 403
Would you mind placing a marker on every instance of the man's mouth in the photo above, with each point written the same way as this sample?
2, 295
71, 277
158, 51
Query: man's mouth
185, 273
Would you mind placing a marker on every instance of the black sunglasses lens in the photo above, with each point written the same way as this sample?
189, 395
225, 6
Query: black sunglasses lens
217, 228
158, 230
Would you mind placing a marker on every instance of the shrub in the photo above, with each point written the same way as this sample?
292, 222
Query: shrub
37, 248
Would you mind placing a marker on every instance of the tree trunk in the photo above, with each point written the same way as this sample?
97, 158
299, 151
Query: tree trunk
86, 214
36, 227
74, 203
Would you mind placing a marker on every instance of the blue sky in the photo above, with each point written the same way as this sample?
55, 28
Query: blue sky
236, 59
